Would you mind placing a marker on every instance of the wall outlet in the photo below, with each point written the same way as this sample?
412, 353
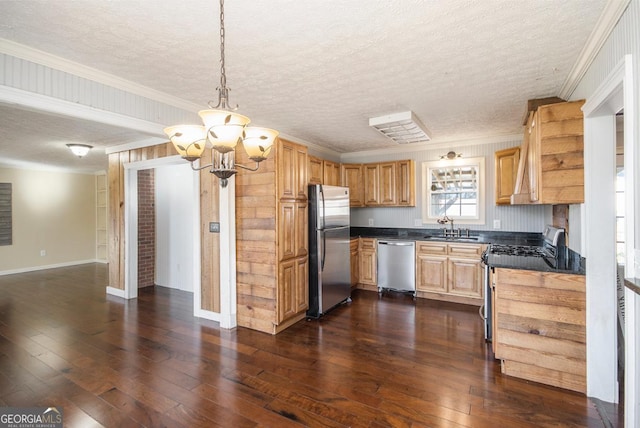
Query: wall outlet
43, 253
496, 224
370, 222
417, 222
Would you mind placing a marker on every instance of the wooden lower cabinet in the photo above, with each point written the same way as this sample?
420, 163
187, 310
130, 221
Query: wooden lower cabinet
431, 273
539, 326
368, 263
354, 247
464, 277
450, 272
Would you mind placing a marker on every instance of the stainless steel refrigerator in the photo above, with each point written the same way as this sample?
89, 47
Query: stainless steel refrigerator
329, 255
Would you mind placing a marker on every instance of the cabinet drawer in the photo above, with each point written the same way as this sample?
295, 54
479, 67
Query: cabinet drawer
465, 250
436, 248
367, 244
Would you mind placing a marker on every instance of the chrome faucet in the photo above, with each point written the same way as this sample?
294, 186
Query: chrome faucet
444, 220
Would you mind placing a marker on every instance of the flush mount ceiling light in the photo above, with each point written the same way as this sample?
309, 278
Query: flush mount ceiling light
403, 128
79, 150
223, 129
451, 155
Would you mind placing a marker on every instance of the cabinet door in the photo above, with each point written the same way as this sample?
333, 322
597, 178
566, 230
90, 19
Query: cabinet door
301, 173
431, 273
371, 184
301, 233
287, 225
354, 265
406, 183
352, 178
387, 183
292, 171
331, 172
287, 303
315, 170
287, 171
301, 296
506, 165
464, 277
368, 262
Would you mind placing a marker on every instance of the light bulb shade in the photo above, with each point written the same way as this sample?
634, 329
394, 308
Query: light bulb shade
224, 128
189, 140
79, 150
258, 142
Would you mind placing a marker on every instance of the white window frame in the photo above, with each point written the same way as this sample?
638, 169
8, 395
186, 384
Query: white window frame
479, 163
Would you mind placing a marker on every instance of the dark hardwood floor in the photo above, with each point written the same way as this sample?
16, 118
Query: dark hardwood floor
148, 362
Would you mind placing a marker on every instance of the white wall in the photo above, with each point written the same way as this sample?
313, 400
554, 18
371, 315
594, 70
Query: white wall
624, 40
174, 194
522, 218
54, 212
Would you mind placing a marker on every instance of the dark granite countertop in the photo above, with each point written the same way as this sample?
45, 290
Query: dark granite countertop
571, 262
481, 236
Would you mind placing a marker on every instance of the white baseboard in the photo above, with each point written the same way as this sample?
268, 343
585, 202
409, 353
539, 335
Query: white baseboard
44, 267
116, 292
209, 315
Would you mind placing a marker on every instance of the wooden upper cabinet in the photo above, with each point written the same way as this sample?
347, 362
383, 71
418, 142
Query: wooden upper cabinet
352, 178
331, 173
292, 170
371, 173
315, 170
551, 167
506, 167
406, 195
387, 186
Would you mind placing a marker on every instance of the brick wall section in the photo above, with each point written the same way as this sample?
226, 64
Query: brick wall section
146, 228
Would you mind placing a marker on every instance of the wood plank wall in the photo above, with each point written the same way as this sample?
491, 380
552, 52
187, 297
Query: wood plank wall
256, 245
210, 242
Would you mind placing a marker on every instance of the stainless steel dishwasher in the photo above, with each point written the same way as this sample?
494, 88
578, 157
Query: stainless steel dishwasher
397, 266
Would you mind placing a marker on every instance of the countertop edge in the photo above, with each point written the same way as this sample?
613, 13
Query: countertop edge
633, 284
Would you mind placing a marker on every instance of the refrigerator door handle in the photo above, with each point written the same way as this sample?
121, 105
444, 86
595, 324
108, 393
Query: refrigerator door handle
324, 213
324, 250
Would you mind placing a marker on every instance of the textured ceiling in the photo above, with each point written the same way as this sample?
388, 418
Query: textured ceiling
317, 70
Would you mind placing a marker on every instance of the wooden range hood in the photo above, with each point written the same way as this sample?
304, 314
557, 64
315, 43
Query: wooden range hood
551, 166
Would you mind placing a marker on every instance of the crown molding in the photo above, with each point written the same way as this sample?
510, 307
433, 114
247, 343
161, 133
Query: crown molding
316, 148
27, 53
431, 145
609, 17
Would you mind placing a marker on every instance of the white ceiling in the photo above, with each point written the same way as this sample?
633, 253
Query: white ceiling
314, 70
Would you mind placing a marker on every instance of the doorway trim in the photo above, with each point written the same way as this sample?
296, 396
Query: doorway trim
131, 227
598, 234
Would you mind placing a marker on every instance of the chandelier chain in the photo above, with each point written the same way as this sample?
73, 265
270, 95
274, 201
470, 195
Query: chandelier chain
223, 76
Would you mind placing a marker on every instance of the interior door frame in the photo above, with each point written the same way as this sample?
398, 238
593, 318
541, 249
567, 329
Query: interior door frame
131, 227
598, 236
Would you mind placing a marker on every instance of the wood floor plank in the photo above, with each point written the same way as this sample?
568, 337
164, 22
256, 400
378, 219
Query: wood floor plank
377, 362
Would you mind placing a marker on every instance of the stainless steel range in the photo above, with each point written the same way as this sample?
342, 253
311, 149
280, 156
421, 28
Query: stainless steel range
551, 253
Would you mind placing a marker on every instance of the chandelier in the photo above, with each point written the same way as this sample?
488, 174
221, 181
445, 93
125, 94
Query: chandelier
223, 129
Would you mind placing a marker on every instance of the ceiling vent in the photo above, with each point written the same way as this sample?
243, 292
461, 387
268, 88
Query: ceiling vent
403, 128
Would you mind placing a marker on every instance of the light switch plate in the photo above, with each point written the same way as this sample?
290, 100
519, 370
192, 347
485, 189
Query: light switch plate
214, 227
496, 224
417, 222
370, 222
